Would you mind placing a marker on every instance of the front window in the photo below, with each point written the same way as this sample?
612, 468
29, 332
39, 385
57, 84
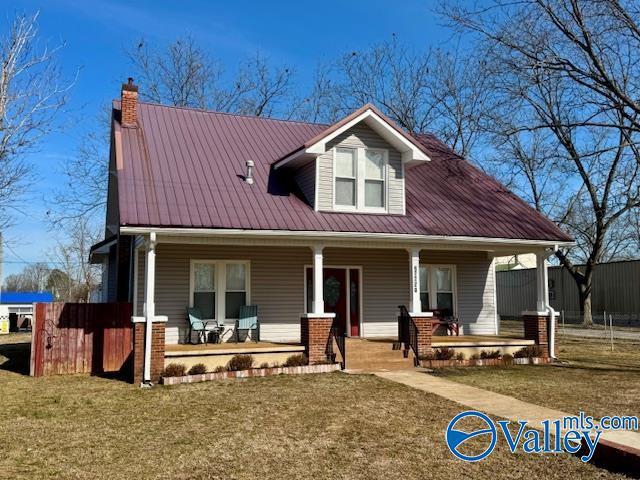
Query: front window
204, 289
219, 288
236, 289
360, 179
444, 292
440, 280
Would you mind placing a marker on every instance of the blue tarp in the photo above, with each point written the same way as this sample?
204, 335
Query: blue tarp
25, 297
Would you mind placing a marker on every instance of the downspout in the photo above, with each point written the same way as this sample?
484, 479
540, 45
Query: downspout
552, 322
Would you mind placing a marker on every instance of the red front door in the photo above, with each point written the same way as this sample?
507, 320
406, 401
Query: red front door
341, 288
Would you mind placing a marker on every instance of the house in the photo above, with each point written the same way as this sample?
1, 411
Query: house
20, 304
318, 225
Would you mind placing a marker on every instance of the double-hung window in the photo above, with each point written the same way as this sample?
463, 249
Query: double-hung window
437, 288
236, 289
374, 173
219, 288
346, 177
204, 289
360, 179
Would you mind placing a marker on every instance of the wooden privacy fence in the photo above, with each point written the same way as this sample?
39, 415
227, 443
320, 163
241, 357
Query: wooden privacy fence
81, 338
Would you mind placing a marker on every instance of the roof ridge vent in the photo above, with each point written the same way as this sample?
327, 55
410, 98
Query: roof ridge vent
249, 176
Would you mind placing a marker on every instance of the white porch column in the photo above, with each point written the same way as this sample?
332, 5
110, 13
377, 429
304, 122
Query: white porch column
149, 303
414, 266
318, 266
542, 303
542, 282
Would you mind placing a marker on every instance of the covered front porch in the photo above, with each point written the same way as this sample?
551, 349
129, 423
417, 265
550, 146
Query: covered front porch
354, 287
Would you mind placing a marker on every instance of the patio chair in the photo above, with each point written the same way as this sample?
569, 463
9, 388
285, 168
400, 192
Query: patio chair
248, 320
197, 324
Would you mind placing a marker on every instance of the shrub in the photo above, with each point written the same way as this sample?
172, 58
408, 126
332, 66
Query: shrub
219, 369
427, 356
240, 362
530, 351
444, 353
460, 356
198, 369
475, 356
297, 360
507, 359
264, 365
175, 370
484, 354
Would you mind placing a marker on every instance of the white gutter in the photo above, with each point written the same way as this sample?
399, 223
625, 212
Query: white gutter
317, 235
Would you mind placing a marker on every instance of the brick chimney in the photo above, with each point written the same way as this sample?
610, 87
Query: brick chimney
129, 104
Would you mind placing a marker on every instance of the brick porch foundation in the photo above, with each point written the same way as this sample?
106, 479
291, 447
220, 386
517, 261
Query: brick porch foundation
536, 328
157, 351
424, 334
314, 335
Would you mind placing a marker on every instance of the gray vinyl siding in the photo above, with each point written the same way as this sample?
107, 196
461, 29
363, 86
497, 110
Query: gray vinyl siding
475, 275
277, 286
362, 136
305, 178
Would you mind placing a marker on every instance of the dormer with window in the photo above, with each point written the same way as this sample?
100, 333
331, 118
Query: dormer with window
355, 166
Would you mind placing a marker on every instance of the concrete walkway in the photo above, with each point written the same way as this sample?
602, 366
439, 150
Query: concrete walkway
494, 403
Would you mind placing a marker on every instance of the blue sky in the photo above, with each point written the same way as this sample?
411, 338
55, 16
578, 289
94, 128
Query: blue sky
96, 33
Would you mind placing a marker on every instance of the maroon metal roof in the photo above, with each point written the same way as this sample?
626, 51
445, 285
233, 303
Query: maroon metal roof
183, 168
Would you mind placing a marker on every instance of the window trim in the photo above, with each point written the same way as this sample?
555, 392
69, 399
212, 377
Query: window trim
432, 283
360, 181
220, 285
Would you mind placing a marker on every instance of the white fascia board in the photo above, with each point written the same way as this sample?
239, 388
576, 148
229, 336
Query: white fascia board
320, 235
381, 127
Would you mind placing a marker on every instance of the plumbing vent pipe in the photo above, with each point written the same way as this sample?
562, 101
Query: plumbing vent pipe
249, 176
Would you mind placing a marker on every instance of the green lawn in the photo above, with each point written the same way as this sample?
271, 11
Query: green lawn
313, 426
590, 378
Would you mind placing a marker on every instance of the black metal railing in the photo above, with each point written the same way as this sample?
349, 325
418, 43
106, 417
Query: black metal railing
337, 337
408, 334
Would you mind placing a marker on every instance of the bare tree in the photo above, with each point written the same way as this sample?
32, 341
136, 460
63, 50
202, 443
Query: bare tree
32, 278
184, 74
390, 75
532, 58
31, 93
76, 278
83, 191
422, 91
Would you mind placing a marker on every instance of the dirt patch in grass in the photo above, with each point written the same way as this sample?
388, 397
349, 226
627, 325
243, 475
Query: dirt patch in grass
314, 426
590, 378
